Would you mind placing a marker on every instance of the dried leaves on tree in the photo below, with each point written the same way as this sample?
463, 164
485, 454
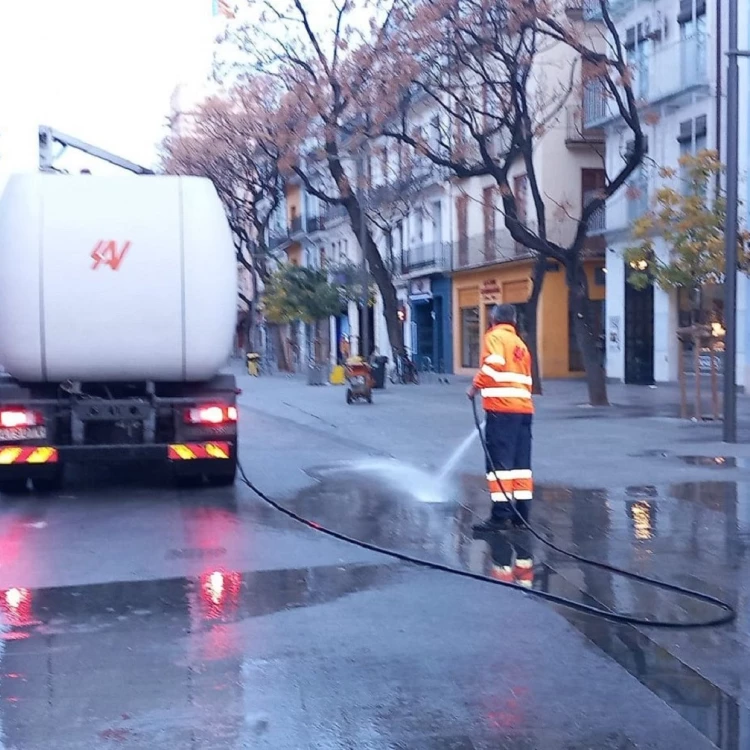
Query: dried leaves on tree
689, 215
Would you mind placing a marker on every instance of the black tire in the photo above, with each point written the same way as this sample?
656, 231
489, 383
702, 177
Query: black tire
369, 398
49, 484
187, 481
348, 397
13, 486
223, 479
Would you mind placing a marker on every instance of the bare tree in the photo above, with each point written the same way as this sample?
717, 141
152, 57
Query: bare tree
312, 49
482, 66
223, 142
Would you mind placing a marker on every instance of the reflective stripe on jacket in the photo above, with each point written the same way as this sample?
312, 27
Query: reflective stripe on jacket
504, 377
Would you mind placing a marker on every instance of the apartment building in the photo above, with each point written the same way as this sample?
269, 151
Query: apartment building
446, 243
489, 267
676, 51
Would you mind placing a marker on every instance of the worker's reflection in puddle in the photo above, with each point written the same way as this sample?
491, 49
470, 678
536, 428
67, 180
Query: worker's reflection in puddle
511, 559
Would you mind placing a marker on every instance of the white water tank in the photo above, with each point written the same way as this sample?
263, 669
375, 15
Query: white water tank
126, 278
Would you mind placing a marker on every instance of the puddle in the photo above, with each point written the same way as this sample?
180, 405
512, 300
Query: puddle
217, 595
711, 462
716, 462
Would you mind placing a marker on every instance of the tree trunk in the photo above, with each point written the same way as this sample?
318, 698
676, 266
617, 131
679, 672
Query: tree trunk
586, 336
532, 321
378, 269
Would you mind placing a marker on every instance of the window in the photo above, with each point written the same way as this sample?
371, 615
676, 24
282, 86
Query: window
693, 138
638, 48
693, 41
488, 207
521, 318
470, 337
385, 165
462, 213
521, 193
637, 189
436, 217
435, 137
593, 181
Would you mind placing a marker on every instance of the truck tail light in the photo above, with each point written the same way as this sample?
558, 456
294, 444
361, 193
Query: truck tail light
20, 418
211, 415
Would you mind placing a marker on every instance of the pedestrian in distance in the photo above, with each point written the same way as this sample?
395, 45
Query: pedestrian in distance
504, 383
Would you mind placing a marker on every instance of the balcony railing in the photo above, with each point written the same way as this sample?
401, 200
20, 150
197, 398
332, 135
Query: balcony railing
589, 10
432, 257
487, 249
576, 131
598, 220
674, 70
295, 226
315, 223
637, 197
276, 238
595, 109
592, 9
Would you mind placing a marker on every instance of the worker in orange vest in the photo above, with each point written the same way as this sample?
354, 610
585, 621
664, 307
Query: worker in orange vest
504, 382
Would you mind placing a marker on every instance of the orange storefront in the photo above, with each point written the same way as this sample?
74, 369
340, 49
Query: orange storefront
475, 292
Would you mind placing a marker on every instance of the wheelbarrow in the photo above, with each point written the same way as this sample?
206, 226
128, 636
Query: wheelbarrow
358, 380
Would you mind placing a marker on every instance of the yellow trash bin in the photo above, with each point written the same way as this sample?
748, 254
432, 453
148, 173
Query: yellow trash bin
337, 375
253, 364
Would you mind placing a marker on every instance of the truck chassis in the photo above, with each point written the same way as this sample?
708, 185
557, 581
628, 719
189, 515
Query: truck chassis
44, 427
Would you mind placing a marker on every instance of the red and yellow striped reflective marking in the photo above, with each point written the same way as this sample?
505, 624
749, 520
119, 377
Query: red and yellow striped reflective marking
192, 451
15, 454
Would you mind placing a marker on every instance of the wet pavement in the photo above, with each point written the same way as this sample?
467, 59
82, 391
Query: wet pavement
136, 615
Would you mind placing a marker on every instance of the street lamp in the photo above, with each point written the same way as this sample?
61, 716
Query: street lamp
731, 230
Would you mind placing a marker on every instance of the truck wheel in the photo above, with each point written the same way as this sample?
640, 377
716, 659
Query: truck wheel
49, 484
187, 481
13, 486
223, 479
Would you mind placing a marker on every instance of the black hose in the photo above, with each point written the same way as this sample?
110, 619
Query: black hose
728, 615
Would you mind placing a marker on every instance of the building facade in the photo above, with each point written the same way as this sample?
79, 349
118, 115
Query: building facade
676, 50
446, 243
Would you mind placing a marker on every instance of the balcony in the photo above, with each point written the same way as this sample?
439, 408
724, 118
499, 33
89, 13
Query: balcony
576, 117
277, 238
598, 220
591, 9
295, 226
315, 224
487, 249
432, 257
676, 70
587, 10
637, 197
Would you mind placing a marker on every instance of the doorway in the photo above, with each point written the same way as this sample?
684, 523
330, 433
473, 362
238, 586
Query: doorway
639, 335
424, 324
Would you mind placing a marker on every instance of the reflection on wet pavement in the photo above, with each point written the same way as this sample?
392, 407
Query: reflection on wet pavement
715, 462
159, 643
691, 534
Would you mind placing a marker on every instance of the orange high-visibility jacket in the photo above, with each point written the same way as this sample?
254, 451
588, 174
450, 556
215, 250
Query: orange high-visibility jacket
504, 377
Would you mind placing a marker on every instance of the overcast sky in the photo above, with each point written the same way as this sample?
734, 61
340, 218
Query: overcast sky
101, 70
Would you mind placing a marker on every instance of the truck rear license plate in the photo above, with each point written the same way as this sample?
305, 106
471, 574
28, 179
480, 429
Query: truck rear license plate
11, 434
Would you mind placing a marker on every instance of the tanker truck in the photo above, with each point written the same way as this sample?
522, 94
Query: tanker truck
117, 313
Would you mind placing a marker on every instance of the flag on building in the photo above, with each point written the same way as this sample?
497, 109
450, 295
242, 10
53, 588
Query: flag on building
223, 8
